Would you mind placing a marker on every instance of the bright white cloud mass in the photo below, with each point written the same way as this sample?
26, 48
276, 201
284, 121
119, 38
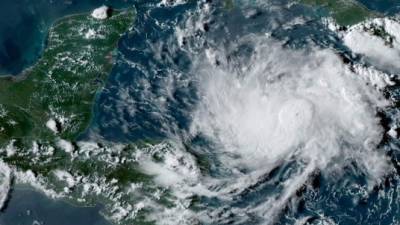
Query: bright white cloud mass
233, 112
288, 103
278, 106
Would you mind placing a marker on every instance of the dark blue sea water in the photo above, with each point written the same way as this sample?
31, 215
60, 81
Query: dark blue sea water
388, 7
138, 117
29, 207
23, 28
24, 25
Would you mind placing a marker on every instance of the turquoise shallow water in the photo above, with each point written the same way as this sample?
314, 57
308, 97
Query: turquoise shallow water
29, 207
389, 7
23, 29
24, 25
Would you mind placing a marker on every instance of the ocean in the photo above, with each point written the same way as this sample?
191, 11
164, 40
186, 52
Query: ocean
137, 104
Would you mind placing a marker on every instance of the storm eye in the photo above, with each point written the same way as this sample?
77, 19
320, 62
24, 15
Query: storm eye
295, 115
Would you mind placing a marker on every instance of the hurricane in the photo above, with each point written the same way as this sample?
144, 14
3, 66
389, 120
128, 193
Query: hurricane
266, 120
243, 112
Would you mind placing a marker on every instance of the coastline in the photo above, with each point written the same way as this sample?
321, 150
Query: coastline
62, 205
112, 48
22, 75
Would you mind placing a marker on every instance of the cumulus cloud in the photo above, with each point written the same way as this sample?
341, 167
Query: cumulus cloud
376, 40
286, 102
269, 108
281, 104
259, 106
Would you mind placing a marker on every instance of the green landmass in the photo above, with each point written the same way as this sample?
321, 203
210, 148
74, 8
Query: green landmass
60, 87
64, 83
345, 12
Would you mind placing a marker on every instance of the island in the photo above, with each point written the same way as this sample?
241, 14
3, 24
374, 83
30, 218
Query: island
51, 103
45, 110
345, 12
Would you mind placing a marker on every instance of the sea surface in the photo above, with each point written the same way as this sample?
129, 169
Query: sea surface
23, 28
30, 207
24, 25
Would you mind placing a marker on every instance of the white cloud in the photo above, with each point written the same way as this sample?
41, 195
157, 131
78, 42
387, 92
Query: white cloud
281, 105
5, 183
65, 145
377, 40
101, 13
52, 125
